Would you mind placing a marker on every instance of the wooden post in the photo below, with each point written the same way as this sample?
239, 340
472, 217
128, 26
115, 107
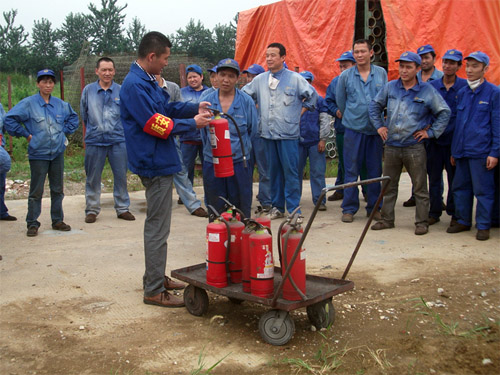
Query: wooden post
61, 82
182, 75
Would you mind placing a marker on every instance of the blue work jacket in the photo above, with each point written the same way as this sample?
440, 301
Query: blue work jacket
409, 111
100, 112
314, 125
141, 98
436, 74
451, 97
245, 114
2, 114
189, 95
331, 103
280, 109
477, 128
353, 96
47, 123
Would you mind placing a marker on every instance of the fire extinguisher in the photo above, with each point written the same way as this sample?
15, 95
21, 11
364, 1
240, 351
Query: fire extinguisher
290, 234
261, 264
235, 268
220, 140
217, 235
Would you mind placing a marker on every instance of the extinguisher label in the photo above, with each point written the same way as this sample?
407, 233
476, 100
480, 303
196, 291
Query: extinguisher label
215, 160
213, 138
213, 237
303, 254
227, 134
268, 271
233, 238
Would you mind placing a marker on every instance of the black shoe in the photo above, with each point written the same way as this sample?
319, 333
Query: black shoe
9, 218
457, 228
32, 231
410, 202
433, 220
337, 196
483, 234
179, 201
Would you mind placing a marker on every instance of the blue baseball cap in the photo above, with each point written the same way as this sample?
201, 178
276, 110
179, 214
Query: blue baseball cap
346, 56
479, 56
410, 57
228, 63
254, 69
307, 75
453, 54
45, 72
194, 68
425, 49
212, 70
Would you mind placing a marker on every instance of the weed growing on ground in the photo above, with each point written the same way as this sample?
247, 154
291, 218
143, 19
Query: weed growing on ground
200, 370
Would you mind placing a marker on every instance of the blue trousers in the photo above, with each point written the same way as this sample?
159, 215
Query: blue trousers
495, 219
95, 158
358, 149
317, 168
473, 179
54, 169
184, 187
189, 153
339, 141
283, 158
236, 189
438, 158
258, 156
5, 164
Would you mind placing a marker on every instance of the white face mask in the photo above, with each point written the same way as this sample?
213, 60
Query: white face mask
474, 84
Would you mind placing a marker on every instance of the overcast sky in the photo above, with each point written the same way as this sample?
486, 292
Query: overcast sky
165, 16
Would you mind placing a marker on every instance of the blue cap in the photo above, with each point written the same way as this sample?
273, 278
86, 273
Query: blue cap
229, 63
254, 69
346, 56
410, 57
194, 68
425, 49
307, 75
453, 54
212, 70
45, 72
479, 56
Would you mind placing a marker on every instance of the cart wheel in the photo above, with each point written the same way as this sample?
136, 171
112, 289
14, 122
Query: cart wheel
196, 300
321, 314
236, 301
273, 335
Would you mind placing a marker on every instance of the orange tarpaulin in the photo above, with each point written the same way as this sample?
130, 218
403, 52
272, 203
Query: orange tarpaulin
314, 33
467, 25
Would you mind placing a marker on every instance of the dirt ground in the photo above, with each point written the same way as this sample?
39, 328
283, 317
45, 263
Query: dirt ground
70, 303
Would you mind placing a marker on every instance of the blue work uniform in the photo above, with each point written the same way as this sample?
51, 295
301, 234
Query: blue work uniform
476, 136
237, 189
362, 144
439, 152
104, 138
331, 104
436, 74
5, 164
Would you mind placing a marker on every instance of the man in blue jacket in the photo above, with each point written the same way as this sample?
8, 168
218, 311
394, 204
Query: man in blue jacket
4, 168
282, 97
146, 116
356, 87
228, 99
439, 150
314, 129
47, 121
104, 138
346, 61
475, 148
411, 105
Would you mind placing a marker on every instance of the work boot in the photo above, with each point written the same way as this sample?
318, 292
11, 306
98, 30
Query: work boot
421, 229
90, 218
164, 299
9, 218
322, 207
32, 231
347, 218
62, 226
200, 212
170, 284
457, 228
377, 216
483, 234
433, 220
382, 225
410, 202
337, 196
126, 216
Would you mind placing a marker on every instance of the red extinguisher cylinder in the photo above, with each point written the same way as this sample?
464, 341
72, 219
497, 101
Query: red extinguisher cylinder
216, 254
261, 264
298, 272
235, 266
220, 140
245, 258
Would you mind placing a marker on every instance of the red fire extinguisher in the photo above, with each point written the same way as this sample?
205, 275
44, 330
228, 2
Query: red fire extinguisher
235, 267
261, 264
217, 235
294, 287
220, 140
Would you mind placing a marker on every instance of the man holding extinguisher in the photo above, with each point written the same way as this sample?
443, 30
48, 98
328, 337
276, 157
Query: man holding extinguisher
228, 99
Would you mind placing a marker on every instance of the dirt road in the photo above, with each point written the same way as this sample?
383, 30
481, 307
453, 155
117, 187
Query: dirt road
71, 303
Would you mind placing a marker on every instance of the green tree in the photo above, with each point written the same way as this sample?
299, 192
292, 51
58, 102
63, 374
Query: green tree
44, 52
74, 32
107, 27
224, 37
13, 50
135, 32
195, 40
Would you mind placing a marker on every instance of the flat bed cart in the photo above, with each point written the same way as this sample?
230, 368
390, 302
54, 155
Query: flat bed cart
276, 326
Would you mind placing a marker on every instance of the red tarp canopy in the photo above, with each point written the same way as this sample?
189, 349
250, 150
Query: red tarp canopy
316, 32
467, 25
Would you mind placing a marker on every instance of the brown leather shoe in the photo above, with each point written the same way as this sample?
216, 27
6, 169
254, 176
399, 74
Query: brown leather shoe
377, 216
433, 220
32, 231
382, 225
347, 218
62, 226
200, 212
421, 229
164, 299
337, 196
457, 228
9, 218
90, 218
126, 216
483, 234
170, 284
